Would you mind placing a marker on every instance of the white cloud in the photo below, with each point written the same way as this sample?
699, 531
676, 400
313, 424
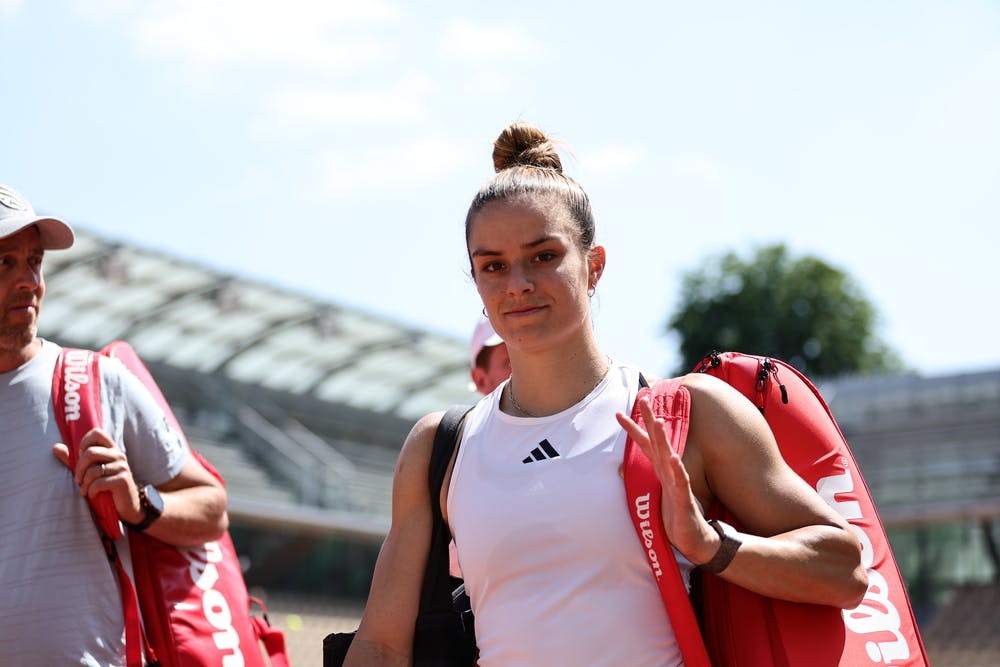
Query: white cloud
612, 159
696, 167
404, 102
466, 42
280, 57
312, 34
487, 53
10, 7
103, 10
402, 166
965, 104
489, 83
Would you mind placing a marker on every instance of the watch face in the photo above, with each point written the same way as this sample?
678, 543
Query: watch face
153, 500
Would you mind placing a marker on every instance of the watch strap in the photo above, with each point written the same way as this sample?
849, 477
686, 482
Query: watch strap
727, 548
150, 516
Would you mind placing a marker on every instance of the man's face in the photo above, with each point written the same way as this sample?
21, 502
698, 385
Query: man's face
496, 370
22, 289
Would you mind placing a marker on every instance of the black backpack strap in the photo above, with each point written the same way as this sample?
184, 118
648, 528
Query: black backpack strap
437, 587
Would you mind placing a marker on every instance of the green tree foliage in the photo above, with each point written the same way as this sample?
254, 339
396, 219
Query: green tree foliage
802, 311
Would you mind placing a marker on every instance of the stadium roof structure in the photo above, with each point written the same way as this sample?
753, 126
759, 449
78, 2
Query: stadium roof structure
184, 315
929, 447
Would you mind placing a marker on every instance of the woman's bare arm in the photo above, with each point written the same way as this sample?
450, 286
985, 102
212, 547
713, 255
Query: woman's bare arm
795, 546
385, 636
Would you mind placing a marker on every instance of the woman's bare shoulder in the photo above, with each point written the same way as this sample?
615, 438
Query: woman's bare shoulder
707, 386
415, 455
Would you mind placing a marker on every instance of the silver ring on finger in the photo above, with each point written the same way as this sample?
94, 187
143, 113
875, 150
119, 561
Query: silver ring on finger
102, 470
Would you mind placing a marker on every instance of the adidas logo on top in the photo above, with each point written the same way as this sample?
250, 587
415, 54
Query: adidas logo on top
543, 451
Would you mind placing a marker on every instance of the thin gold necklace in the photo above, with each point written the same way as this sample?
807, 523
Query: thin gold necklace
517, 406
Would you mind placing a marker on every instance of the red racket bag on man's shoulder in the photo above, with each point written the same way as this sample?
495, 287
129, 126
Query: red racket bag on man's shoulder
194, 602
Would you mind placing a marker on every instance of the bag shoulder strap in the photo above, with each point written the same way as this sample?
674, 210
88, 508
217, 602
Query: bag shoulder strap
437, 588
445, 444
671, 402
76, 400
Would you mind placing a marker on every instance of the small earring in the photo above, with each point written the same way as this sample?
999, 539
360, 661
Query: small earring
591, 291
484, 313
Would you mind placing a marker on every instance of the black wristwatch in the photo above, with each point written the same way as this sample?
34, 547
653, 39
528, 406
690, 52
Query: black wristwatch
727, 549
151, 501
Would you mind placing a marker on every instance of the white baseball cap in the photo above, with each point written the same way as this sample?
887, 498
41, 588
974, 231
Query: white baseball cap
16, 214
483, 336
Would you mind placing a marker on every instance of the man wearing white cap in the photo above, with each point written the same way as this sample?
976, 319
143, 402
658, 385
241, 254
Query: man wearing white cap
490, 362
60, 602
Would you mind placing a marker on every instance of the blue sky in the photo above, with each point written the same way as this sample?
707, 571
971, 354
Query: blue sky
333, 147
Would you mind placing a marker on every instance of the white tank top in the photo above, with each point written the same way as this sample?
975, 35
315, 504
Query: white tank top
550, 556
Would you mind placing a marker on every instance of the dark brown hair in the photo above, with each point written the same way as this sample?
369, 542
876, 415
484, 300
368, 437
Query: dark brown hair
528, 165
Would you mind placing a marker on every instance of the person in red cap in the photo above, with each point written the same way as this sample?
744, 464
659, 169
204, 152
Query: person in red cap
490, 361
60, 603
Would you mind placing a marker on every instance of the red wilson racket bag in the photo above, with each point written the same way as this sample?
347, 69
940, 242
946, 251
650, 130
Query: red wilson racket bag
196, 611
744, 629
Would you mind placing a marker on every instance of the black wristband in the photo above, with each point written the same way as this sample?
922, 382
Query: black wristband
727, 549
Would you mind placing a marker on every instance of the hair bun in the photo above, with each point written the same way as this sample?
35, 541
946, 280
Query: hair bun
523, 144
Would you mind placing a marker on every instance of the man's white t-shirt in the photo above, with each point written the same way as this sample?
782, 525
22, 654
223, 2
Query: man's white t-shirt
59, 597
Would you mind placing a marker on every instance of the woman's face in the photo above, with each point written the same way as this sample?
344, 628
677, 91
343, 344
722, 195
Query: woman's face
531, 273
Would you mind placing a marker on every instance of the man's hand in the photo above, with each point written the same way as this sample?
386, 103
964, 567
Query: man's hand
103, 467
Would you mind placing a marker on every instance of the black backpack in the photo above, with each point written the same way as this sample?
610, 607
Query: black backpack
445, 634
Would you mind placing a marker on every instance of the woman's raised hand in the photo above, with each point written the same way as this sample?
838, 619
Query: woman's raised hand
683, 518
